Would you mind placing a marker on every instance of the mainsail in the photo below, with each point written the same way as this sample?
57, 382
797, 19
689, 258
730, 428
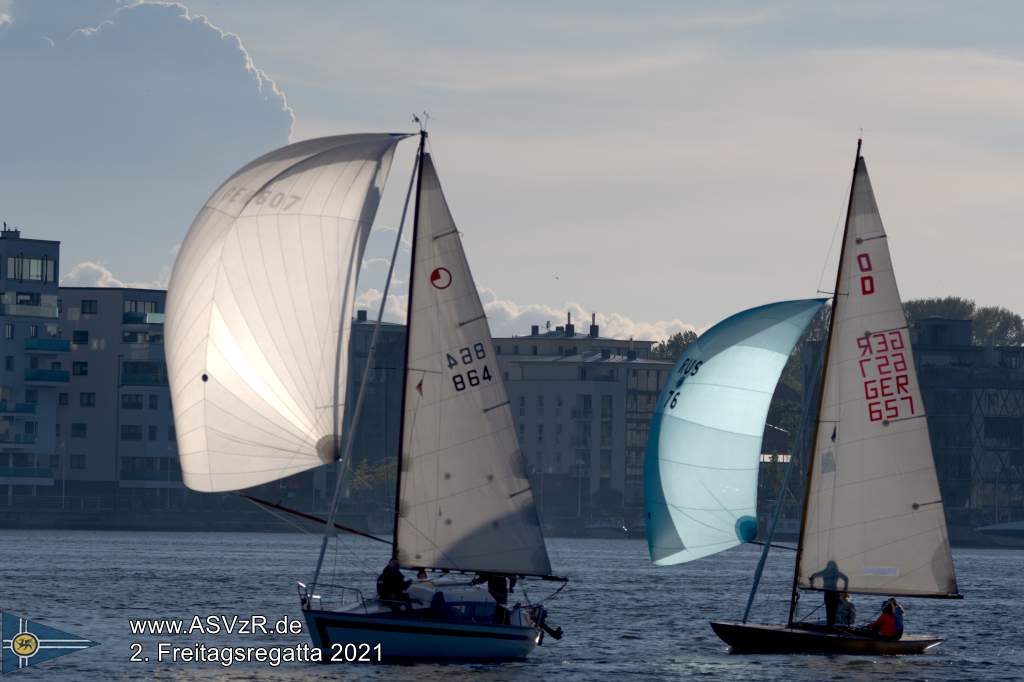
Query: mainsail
874, 519
703, 452
259, 307
464, 498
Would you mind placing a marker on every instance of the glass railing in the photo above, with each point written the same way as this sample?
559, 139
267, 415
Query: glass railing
25, 472
56, 375
169, 476
142, 318
44, 310
17, 408
48, 344
18, 438
133, 379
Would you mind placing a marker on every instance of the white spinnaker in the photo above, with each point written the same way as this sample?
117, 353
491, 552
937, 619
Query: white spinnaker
259, 309
874, 519
464, 497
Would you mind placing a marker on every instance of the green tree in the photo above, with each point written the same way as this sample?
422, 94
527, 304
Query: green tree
672, 348
998, 327
950, 307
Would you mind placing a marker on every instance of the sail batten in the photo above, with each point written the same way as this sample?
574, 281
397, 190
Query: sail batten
259, 306
464, 498
873, 522
703, 451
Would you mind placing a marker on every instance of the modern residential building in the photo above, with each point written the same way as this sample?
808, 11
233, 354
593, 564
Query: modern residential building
583, 405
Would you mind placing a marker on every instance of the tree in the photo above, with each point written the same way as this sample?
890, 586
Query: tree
950, 307
672, 348
998, 327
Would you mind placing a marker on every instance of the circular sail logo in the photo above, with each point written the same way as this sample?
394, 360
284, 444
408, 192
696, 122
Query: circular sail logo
25, 644
441, 278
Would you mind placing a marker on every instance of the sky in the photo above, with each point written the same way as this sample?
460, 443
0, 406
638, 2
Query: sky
661, 164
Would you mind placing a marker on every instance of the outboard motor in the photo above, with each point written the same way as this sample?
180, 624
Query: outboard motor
540, 617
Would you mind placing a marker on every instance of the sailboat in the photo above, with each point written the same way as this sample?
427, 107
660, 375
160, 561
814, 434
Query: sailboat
258, 321
872, 520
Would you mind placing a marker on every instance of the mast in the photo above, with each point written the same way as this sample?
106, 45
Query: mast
344, 456
408, 336
821, 393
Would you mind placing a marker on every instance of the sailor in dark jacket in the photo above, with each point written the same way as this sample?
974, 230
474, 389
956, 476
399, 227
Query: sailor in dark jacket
391, 584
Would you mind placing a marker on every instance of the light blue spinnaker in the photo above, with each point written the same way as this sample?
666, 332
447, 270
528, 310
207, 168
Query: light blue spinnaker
701, 462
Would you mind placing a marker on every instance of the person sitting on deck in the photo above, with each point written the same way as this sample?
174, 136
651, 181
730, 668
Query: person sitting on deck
392, 586
846, 612
889, 624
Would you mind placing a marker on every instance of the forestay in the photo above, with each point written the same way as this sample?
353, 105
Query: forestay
464, 497
703, 452
874, 519
259, 307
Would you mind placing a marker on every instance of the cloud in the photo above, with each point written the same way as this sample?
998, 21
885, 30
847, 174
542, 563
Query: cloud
508, 318
119, 121
94, 274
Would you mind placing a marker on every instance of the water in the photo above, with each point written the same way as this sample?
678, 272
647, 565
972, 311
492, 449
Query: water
623, 617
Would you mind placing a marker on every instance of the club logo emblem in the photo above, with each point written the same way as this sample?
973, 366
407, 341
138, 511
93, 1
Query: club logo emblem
441, 278
25, 644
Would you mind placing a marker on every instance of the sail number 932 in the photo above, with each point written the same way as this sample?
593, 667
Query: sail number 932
469, 376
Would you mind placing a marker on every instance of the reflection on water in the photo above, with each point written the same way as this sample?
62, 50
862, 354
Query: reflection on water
622, 616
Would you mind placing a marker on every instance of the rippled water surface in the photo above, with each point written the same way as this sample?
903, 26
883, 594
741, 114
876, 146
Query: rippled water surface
623, 617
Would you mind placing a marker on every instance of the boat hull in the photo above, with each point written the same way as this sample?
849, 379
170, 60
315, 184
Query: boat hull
781, 639
408, 637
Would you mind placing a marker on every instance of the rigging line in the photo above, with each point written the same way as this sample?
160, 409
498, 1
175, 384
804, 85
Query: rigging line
280, 517
832, 243
335, 499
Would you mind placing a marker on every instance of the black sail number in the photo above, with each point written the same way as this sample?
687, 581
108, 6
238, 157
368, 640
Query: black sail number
468, 360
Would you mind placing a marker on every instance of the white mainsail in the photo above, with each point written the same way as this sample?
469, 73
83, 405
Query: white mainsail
703, 452
874, 519
465, 500
259, 308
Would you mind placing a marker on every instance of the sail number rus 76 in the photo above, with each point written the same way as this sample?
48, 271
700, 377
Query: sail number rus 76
464, 357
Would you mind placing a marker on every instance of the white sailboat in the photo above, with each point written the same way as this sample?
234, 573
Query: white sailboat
258, 317
873, 521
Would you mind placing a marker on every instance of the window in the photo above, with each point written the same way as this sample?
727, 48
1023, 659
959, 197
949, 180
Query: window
522, 406
170, 433
80, 337
27, 298
77, 461
80, 369
87, 399
8, 330
131, 401
79, 430
31, 395
606, 434
540, 433
89, 306
140, 306
32, 269
33, 331
30, 428
9, 363
154, 404
152, 433
62, 398
54, 461
131, 432
58, 430
606, 407
540, 405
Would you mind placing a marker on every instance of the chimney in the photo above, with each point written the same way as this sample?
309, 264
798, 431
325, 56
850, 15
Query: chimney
570, 330
534, 330
593, 326
360, 316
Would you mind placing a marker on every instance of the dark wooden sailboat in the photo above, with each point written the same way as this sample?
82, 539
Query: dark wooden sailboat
872, 520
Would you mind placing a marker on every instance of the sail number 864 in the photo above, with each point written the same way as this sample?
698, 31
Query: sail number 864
469, 356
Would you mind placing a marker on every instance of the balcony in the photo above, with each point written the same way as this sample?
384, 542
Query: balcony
17, 438
25, 472
142, 318
47, 310
48, 345
143, 379
17, 408
146, 475
48, 376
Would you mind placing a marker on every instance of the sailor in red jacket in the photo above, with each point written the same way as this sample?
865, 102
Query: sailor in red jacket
888, 625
